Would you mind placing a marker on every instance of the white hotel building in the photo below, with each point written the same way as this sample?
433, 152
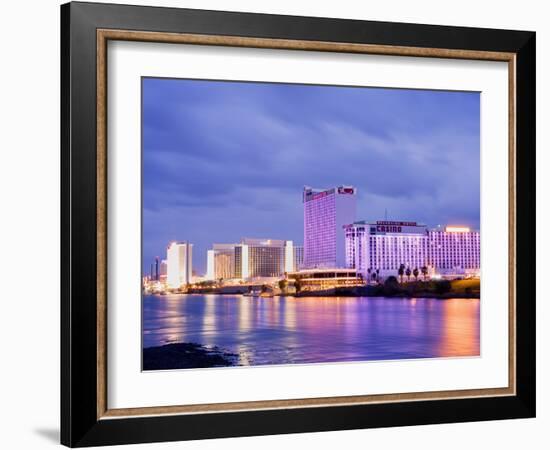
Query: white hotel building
325, 214
179, 265
384, 245
454, 250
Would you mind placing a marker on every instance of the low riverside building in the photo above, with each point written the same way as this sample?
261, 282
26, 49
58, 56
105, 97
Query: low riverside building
250, 259
321, 279
382, 247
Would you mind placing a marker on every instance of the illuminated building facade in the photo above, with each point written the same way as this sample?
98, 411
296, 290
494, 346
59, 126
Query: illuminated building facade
224, 261
325, 214
163, 271
241, 262
289, 256
298, 258
384, 246
251, 258
266, 258
179, 257
319, 279
391, 244
454, 250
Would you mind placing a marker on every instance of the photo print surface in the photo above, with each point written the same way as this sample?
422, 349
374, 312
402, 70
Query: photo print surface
298, 224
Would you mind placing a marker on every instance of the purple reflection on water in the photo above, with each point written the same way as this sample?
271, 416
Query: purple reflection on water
285, 330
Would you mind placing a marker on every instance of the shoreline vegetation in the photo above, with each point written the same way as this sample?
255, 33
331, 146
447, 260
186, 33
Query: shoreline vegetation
439, 289
186, 355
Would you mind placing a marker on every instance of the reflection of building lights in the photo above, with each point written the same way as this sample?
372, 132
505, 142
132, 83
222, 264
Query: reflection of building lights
454, 229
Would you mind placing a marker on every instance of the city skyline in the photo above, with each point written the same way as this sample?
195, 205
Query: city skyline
208, 177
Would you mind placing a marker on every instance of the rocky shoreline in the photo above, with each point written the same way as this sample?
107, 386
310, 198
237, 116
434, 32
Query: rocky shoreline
186, 355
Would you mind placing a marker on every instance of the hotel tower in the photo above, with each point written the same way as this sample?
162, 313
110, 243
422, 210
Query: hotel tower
326, 212
179, 257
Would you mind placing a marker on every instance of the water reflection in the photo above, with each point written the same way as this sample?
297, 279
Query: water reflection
283, 330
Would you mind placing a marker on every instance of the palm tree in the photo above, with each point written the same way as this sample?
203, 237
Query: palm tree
369, 270
408, 273
401, 271
415, 273
424, 270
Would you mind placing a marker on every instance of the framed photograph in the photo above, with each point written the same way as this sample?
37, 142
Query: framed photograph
276, 224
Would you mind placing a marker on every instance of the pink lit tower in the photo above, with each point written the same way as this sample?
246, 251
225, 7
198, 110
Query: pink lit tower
326, 212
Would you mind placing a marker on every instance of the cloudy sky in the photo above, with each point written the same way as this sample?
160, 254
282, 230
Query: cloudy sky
226, 160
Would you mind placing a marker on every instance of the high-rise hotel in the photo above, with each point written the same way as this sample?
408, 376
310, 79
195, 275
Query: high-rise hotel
384, 246
326, 212
179, 264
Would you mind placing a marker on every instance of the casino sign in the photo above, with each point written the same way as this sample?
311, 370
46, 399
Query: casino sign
385, 226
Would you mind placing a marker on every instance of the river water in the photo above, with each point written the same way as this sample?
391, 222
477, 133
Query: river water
286, 330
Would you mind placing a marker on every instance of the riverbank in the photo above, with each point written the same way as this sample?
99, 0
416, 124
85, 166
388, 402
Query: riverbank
443, 289
440, 289
185, 356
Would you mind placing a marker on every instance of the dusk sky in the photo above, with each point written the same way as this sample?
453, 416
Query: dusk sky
227, 160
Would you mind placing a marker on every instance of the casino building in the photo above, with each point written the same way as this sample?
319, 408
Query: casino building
454, 250
383, 246
326, 211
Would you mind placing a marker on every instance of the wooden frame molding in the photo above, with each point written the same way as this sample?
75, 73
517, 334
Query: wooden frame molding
103, 36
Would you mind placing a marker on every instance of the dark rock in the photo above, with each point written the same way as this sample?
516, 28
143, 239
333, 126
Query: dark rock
185, 356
